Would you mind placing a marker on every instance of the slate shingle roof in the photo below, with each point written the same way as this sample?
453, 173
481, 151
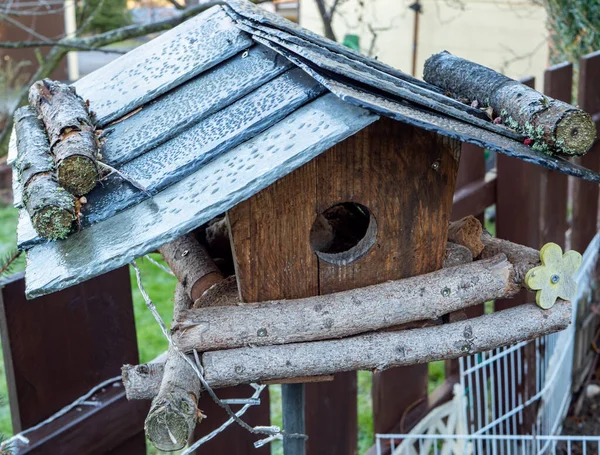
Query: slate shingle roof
213, 111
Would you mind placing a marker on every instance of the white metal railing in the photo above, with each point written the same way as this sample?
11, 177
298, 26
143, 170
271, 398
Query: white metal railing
498, 397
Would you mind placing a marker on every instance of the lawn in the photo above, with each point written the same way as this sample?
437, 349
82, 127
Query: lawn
160, 286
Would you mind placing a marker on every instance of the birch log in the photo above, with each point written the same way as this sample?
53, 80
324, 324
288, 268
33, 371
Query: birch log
191, 264
553, 125
382, 350
51, 208
345, 313
173, 413
71, 132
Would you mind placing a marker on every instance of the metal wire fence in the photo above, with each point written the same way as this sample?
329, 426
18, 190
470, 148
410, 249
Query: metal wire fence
499, 408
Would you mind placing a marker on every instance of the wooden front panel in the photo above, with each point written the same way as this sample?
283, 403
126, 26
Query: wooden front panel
405, 177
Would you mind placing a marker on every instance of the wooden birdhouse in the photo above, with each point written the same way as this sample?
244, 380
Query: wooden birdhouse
336, 174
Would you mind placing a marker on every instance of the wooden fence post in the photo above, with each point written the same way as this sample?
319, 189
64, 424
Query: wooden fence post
518, 220
585, 194
558, 82
59, 346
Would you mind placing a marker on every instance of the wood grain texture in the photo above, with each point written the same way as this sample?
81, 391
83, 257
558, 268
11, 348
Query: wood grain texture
405, 177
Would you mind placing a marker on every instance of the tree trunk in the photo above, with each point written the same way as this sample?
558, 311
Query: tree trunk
71, 133
345, 313
51, 208
553, 125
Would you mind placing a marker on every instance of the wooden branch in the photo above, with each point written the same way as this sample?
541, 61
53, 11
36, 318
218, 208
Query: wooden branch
521, 257
191, 264
467, 232
457, 255
382, 350
71, 133
51, 208
345, 313
553, 125
142, 382
174, 413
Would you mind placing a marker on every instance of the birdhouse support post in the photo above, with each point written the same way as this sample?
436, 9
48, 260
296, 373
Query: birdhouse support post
394, 180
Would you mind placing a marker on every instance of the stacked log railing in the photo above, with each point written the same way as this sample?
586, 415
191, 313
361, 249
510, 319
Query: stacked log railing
532, 207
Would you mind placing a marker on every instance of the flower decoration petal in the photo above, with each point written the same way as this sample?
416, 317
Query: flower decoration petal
555, 277
537, 277
551, 254
571, 262
546, 297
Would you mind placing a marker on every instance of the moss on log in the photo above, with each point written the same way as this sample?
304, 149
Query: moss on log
51, 208
71, 133
553, 125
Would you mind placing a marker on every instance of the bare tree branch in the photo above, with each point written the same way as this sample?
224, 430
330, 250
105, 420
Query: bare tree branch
326, 17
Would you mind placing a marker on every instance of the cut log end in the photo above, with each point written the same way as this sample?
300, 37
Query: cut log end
575, 133
77, 174
53, 222
171, 422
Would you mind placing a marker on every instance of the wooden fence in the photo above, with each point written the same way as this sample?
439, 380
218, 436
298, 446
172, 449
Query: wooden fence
59, 346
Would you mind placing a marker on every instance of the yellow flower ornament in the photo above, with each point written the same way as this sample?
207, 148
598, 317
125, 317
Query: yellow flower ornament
555, 277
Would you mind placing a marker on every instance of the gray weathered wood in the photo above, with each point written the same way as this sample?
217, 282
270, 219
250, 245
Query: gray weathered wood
50, 207
174, 413
169, 60
71, 134
554, 125
384, 350
372, 351
522, 257
186, 105
345, 313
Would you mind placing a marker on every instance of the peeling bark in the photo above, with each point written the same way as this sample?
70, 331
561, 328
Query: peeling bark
71, 133
51, 208
553, 125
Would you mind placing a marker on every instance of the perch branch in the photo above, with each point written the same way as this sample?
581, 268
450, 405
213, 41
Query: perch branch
553, 125
191, 264
382, 350
173, 414
345, 313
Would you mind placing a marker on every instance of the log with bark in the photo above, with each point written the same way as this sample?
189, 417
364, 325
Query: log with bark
191, 264
374, 351
51, 208
345, 313
553, 125
174, 413
71, 132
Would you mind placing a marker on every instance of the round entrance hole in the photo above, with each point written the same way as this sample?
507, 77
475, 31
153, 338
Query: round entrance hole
343, 233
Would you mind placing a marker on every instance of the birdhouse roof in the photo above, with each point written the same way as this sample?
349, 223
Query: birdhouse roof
218, 108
